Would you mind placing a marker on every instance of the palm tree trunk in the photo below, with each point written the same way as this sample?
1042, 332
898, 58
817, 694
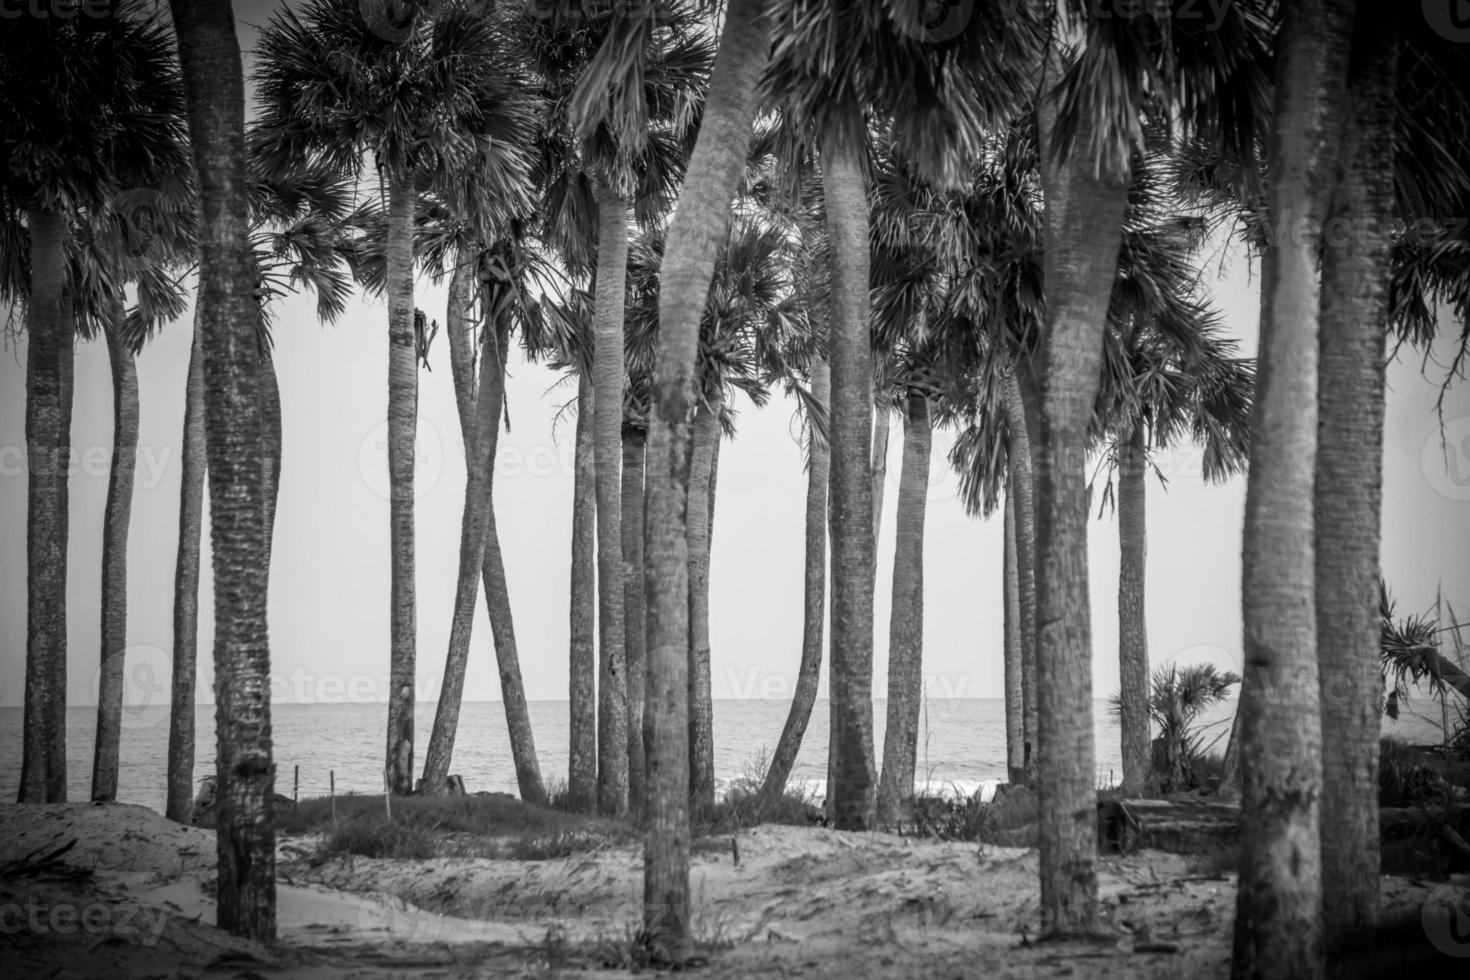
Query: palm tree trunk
695, 237
701, 709
115, 525
814, 602
608, 371
1015, 692
1084, 219
403, 396
582, 757
852, 791
1348, 495
235, 419
1021, 421
906, 621
1132, 619
180, 804
881, 429
48, 443
1279, 900
635, 623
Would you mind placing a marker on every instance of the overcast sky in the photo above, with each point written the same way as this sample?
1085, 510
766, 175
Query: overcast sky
330, 574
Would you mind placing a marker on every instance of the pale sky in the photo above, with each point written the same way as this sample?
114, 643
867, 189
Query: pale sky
330, 574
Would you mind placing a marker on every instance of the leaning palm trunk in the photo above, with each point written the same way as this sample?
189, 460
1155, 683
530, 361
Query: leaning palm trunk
582, 692
906, 620
881, 428
1019, 425
1014, 688
852, 788
1084, 219
403, 396
48, 443
696, 234
607, 414
240, 473
635, 622
814, 603
1348, 492
1279, 901
115, 556
1132, 622
701, 708
180, 803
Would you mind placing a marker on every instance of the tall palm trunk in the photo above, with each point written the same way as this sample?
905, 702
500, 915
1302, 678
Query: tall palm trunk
481, 559
1348, 495
852, 789
48, 443
1132, 620
608, 369
115, 525
906, 620
881, 429
403, 397
180, 803
236, 418
1278, 912
814, 596
635, 622
701, 709
1015, 693
695, 237
582, 757
1084, 220
1021, 420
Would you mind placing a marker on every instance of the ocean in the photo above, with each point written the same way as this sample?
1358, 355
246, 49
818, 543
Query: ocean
961, 745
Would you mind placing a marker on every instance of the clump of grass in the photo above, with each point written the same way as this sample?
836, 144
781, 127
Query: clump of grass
364, 837
1008, 820
744, 806
562, 843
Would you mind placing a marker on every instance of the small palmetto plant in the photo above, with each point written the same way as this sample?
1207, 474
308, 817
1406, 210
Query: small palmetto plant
1177, 696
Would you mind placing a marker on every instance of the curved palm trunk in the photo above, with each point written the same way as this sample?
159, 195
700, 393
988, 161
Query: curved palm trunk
695, 237
1279, 900
635, 622
582, 757
1348, 494
906, 621
1015, 703
1084, 219
852, 789
607, 414
403, 398
701, 708
814, 601
180, 803
1132, 620
115, 556
1021, 412
240, 471
48, 444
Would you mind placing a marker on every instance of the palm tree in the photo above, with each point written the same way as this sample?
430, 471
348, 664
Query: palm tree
1279, 903
428, 104
1176, 697
90, 109
235, 383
